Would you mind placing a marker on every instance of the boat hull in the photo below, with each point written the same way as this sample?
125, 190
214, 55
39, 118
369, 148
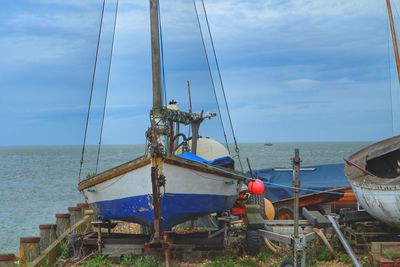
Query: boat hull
175, 208
374, 174
381, 202
191, 191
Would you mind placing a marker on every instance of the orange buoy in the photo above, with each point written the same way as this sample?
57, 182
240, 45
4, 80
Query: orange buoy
256, 187
269, 209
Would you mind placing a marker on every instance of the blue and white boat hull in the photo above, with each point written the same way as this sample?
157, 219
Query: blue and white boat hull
191, 191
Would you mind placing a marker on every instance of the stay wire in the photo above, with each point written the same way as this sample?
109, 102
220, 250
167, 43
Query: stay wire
91, 90
162, 57
107, 85
211, 76
222, 85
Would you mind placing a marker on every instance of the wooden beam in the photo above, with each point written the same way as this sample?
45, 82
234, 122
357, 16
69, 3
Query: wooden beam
155, 54
394, 38
49, 256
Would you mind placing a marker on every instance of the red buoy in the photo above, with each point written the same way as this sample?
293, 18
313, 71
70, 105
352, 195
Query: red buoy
256, 187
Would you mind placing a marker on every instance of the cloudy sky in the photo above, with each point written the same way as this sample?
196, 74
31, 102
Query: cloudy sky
293, 70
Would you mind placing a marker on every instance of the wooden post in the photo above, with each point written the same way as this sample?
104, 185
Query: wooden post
63, 223
28, 249
47, 235
84, 207
155, 54
7, 260
76, 214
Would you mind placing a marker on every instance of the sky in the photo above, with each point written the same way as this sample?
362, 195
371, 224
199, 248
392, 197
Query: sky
293, 71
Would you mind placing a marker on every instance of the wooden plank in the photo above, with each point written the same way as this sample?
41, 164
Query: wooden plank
49, 256
114, 172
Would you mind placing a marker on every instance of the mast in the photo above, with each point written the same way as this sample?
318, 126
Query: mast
155, 54
394, 38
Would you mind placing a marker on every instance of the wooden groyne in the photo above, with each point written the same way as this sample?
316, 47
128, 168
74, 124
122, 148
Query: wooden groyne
44, 249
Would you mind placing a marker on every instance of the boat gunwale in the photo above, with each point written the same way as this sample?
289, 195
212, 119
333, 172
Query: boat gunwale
375, 150
143, 161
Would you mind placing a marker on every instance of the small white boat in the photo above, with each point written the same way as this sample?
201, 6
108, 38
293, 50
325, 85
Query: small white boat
172, 183
374, 174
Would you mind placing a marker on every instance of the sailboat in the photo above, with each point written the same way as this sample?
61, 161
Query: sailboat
374, 172
171, 183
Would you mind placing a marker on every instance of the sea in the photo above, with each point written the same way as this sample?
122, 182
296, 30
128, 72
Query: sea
38, 182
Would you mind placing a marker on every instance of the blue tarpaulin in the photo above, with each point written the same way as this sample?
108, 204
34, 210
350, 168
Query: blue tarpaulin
216, 162
278, 181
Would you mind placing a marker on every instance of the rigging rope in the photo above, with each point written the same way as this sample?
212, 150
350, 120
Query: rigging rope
107, 83
162, 57
91, 90
211, 77
222, 86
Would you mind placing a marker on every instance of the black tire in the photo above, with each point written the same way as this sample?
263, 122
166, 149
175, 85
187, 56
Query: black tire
258, 200
288, 262
284, 213
253, 242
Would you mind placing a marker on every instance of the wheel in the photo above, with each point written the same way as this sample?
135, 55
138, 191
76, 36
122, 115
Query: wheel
258, 200
288, 262
284, 213
253, 242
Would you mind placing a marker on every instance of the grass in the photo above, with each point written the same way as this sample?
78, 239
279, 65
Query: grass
127, 260
344, 258
390, 255
250, 262
324, 254
98, 261
146, 261
64, 250
264, 255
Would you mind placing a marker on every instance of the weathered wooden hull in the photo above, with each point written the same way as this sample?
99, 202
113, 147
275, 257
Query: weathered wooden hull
374, 174
191, 191
382, 202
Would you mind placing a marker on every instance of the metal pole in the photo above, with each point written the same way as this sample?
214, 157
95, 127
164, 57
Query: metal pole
155, 54
296, 185
344, 242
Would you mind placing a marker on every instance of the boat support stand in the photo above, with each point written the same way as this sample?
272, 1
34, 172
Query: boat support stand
299, 242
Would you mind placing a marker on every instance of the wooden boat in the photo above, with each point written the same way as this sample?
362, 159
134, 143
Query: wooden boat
171, 183
374, 174
191, 190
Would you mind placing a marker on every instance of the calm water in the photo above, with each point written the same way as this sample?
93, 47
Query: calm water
37, 182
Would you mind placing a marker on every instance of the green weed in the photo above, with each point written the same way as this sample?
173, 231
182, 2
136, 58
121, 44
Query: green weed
247, 262
390, 255
64, 250
263, 255
98, 261
146, 261
324, 254
127, 260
